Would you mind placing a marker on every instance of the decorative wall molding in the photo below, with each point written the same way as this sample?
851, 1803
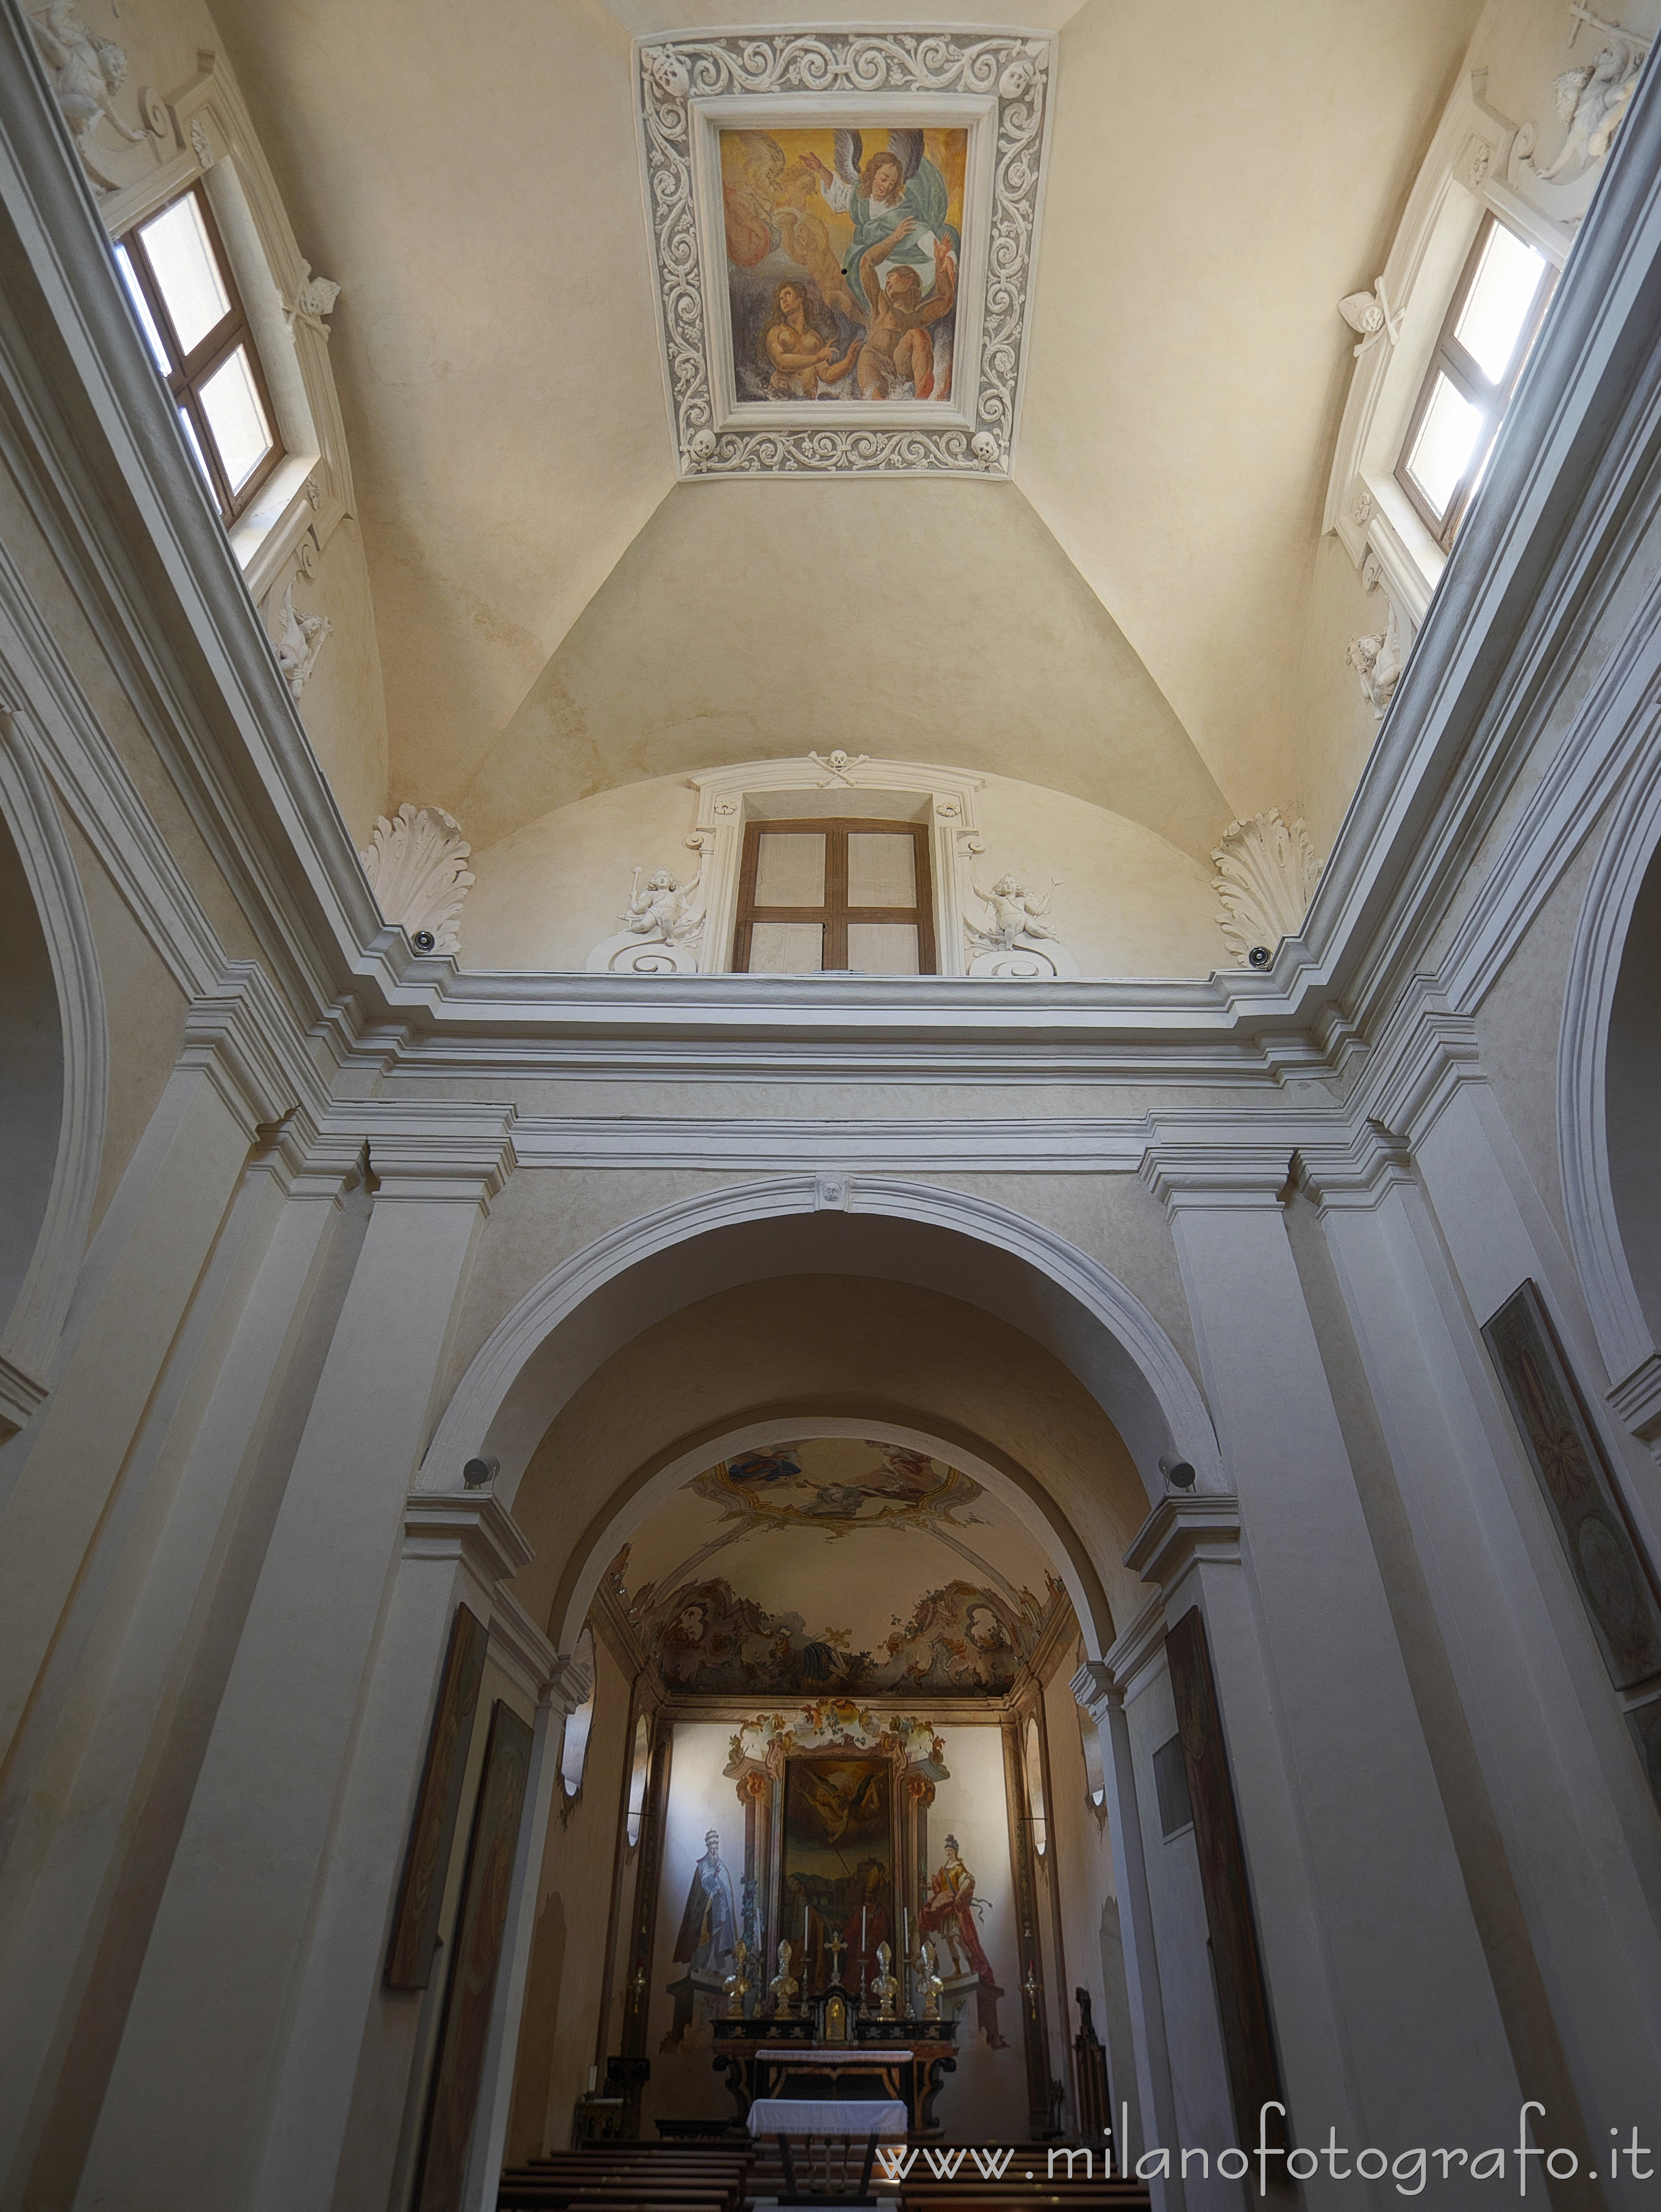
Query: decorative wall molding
87, 71
208, 134
417, 870
1592, 99
661, 934
1266, 873
1013, 938
730, 797
1155, 1401
995, 85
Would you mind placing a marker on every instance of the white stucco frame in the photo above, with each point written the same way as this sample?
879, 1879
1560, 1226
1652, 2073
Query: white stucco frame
996, 83
901, 790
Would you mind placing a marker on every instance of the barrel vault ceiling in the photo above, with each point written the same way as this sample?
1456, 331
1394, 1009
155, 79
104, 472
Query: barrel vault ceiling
1124, 620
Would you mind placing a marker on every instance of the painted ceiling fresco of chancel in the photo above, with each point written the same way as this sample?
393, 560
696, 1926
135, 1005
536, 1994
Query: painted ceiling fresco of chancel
837, 1567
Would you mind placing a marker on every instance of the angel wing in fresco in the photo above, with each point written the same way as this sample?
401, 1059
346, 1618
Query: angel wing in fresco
906, 145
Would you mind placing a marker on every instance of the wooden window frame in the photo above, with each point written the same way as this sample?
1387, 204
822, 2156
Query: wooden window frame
189, 372
834, 914
1451, 360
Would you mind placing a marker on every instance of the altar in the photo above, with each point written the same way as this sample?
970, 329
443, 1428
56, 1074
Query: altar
902, 2061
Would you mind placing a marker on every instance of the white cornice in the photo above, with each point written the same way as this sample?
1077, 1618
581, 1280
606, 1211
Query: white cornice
1548, 545
1185, 1526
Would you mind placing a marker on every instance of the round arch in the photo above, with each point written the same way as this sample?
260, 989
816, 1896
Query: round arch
979, 1252
1607, 1072
61, 1098
669, 1470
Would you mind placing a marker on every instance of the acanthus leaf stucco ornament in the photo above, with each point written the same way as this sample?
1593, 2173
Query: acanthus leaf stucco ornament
87, 71
1003, 76
661, 930
1267, 871
1015, 940
417, 869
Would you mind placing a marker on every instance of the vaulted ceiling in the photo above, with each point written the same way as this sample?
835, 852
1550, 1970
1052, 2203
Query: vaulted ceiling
1124, 621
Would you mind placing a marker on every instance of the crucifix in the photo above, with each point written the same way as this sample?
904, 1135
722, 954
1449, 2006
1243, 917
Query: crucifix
836, 1947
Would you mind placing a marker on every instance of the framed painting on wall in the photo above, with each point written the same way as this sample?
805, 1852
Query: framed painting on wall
836, 1866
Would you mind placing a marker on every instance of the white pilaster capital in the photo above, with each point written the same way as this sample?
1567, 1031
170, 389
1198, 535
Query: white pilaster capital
1637, 1399
1139, 1646
1227, 1177
471, 1525
245, 1040
1356, 1170
1096, 1690
1424, 1053
442, 1151
521, 1650
1184, 1527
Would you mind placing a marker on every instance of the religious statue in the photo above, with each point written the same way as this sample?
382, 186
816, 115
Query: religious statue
784, 1986
931, 1983
709, 1925
662, 910
1015, 912
948, 1913
86, 72
737, 1984
885, 1988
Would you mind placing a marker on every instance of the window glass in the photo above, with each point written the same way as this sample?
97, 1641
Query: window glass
186, 275
1502, 293
882, 869
883, 948
574, 1750
786, 948
1447, 439
790, 870
178, 282
231, 400
141, 308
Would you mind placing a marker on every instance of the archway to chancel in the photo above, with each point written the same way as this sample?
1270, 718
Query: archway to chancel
874, 1561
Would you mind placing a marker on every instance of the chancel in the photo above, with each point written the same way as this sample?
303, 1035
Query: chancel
829, 1041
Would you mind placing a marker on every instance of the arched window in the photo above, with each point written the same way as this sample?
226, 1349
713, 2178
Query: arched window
637, 1781
1034, 1762
574, 1750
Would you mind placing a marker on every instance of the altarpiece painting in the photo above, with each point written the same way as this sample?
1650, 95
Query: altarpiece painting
836, 1867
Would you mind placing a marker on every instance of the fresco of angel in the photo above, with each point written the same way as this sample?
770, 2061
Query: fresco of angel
894, 190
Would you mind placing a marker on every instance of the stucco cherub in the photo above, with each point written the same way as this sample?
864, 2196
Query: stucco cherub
87, 73
663, 909
1591, 99
299, 642
1015, 913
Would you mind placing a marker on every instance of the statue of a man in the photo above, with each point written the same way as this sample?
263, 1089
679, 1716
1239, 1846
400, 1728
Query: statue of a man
709, 1925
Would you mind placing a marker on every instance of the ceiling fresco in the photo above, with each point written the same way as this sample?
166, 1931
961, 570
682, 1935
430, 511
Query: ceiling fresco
837, 1567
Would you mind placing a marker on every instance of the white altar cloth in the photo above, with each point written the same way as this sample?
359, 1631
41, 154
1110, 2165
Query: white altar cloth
828, 2116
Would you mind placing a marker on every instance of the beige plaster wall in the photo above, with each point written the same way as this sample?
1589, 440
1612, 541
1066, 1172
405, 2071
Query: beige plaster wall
1129, 903
1080, 1853
344, 706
